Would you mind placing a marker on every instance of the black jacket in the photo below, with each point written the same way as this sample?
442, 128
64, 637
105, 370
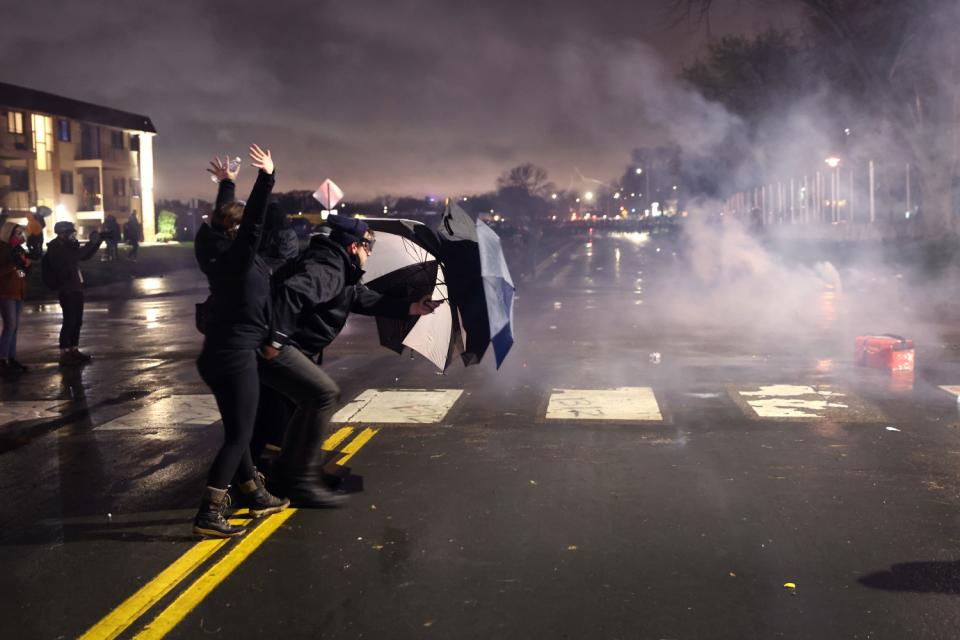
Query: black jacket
316, 294
133, 232
63, 259
239, 279
113, 228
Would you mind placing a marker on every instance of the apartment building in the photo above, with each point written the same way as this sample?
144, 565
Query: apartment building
81, 160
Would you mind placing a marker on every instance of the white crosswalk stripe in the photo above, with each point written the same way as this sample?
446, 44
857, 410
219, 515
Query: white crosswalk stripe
804, 402
169, 413
788, 402
399, 406
16, 410
793, 401
624, 403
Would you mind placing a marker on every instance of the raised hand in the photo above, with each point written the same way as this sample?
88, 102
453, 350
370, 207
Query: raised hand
221, 169
261, 159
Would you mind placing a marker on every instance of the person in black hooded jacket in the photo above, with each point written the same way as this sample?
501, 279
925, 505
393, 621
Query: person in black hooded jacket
280, 245
311, 303
236, 327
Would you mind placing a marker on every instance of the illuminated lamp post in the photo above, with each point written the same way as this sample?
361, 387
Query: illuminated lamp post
834, 163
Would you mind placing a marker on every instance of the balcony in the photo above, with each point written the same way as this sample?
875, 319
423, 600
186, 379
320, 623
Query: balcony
19, 200
90, 202
117, 204
90, 154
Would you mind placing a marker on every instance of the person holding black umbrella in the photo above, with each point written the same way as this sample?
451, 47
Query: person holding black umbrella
312, 301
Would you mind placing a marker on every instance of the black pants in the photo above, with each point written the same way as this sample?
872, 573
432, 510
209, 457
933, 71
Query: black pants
232, 376
315, 395
72, 304
273, 415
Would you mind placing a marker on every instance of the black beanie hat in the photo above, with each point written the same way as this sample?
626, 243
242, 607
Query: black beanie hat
345, 231
64, 226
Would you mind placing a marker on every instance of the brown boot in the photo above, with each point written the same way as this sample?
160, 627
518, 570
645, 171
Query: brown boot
260, 501
210, 520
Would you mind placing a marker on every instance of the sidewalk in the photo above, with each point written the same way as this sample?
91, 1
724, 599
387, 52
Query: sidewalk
160, 270
188, 280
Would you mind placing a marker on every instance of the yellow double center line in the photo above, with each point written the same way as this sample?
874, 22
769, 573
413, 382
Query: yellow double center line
134, 607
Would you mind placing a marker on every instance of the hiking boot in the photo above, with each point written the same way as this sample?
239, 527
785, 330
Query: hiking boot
68, 359
15, 365
210, 520
312, 495
258, 500
81, 356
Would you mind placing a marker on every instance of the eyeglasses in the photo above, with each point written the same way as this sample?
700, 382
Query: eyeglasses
367, 243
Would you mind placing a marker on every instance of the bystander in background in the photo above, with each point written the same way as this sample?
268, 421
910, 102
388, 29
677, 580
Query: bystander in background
61, 271
111, 237
133, 234
35, 226
14, 268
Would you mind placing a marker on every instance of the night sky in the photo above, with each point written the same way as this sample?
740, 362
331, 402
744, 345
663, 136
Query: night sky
407, 97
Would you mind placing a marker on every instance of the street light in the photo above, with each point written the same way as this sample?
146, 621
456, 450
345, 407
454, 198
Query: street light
834, 163
588, 196
638, 171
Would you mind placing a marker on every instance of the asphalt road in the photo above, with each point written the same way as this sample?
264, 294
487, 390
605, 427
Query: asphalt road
588, 489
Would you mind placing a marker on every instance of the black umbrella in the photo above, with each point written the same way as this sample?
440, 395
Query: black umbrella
404, 264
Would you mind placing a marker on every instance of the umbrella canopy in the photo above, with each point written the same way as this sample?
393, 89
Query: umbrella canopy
498, 290
401, 265
479, 283
460, 254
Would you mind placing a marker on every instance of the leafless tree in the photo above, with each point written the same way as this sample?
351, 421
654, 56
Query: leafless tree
527, 177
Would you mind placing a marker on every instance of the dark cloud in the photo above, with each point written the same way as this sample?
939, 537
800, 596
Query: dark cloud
414, 96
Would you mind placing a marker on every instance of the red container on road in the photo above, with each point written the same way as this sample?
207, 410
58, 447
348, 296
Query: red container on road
890, 352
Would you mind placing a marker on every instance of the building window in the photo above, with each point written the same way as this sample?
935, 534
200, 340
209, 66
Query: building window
119, 187
43, 141
19, 179
66, 182
89, 142
63, 130
116, 137
134, 187
15, 122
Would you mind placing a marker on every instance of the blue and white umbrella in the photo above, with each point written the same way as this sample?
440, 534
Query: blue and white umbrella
479, 283
498, 289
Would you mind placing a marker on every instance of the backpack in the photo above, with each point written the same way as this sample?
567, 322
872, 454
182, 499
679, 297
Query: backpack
48, 274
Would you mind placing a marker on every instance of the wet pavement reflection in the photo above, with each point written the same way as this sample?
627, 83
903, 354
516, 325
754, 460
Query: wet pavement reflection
586, 485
